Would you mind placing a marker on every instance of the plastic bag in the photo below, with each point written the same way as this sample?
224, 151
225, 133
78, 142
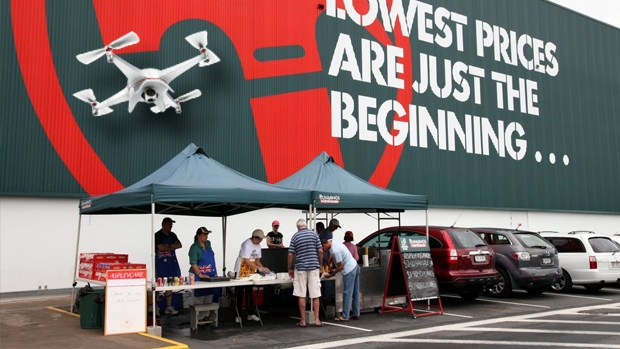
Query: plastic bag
81, 292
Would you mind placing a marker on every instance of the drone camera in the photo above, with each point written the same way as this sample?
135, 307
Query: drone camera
149, 95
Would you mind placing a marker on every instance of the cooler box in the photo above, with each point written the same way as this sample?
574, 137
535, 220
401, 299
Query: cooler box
257, 296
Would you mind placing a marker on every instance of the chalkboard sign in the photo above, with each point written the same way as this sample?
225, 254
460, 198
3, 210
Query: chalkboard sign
411, 275
125, 301
418, 266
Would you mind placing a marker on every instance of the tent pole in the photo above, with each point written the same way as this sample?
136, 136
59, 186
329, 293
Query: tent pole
426, 212
224, 245
77, 256
153, 282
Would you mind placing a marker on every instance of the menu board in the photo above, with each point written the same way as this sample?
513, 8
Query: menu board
125, 301
418, 268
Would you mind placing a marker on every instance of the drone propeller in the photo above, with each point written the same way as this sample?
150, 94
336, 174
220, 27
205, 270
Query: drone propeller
190, 95
211, 59
88, 96
176, 103
124, 41
198, 40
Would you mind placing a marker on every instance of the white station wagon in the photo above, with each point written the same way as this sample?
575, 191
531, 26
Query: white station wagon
588, 259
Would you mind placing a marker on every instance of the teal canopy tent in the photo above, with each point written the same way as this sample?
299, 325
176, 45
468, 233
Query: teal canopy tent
192, 184
335, 189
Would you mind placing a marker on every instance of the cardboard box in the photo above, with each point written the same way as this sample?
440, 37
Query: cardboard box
104, 258
101, 268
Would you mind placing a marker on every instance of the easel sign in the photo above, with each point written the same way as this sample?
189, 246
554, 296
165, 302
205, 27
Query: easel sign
125, 301
411, 275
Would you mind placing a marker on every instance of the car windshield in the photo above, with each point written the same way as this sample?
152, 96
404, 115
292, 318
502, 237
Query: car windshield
603, 245
533, 240
465, 238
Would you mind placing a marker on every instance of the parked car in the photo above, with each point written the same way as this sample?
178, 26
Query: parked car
524, 259
588, 259
462, 261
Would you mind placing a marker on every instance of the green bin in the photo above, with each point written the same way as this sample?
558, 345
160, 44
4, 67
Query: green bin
91, 312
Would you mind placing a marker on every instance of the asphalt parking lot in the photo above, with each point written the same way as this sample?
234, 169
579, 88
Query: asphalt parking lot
581, 319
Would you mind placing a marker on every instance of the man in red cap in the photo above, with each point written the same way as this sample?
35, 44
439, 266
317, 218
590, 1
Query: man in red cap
274, 238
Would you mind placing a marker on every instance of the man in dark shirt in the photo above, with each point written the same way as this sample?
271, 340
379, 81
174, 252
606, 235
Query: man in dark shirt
166, 264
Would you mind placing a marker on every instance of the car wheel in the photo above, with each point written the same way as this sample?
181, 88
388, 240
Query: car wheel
593, 287
503, 288
471, 293
537, 290
565, 283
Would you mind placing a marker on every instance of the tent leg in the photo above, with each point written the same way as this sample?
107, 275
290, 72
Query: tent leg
75, 265
154, 329
224, 221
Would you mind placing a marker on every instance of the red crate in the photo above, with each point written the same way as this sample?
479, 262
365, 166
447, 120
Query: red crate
99, 272
116, 266
86, 270
104, 258
85, 274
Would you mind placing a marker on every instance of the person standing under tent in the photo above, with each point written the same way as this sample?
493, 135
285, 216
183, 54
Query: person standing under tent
248, 262
166, 264
274, 237
328, 234
350, 279
202, 266
348, 238
329, 289
319, 227
306, 249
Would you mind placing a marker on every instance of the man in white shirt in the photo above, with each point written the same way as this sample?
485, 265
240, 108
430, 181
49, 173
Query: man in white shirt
248, 262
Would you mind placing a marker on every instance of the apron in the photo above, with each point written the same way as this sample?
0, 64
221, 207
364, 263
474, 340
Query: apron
166, 264
206, 264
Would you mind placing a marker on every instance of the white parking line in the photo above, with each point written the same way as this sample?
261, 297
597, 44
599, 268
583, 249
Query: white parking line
449, 314
597, 314
345, 326
513, 303
458, 315
446, 328
504, 302
575, 296
568, 322
532, 330
333, 324
461, 342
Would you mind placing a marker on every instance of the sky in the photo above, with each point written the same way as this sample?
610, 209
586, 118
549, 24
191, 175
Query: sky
607, 11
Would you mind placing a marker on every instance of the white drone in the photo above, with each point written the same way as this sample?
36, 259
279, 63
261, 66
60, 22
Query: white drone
145, 85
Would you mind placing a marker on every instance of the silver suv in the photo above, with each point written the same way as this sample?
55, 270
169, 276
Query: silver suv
588, 259
524, 260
